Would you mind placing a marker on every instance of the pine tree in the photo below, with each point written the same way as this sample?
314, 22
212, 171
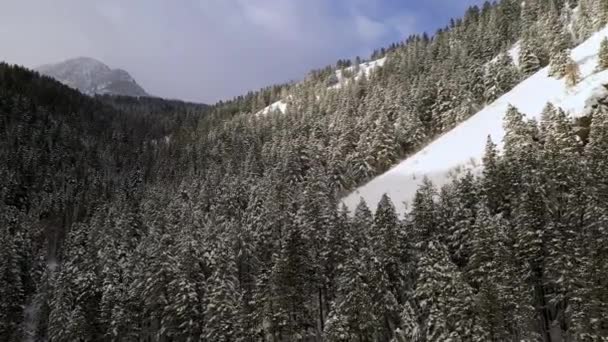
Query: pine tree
603, 56
186, 292
590, 324
564, 200
74, 300
600, 14
386, 241
410, 132
362, 221
459, 217
292, 275
156, 269
491, 182
559, 63
446, 301
501, 76
350, 318
384, 145
583, 27
504, 306
12, 294
529, 63
223, 314
423, 217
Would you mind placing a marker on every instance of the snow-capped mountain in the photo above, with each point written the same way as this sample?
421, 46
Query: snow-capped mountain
91, 77
462, 147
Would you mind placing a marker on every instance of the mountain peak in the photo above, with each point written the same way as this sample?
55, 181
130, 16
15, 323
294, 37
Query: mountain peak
92, 76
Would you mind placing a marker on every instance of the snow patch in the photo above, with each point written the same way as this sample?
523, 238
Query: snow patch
514, 53
358, 71
465, 144
363, 69
279, 106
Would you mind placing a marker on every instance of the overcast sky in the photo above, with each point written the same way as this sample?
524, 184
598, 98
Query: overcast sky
207, 50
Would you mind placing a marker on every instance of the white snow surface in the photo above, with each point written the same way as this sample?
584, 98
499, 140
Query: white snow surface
463, 146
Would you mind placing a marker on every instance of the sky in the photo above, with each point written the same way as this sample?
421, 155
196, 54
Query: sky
210, 50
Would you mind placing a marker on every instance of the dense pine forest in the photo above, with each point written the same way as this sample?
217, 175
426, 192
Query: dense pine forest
141, 219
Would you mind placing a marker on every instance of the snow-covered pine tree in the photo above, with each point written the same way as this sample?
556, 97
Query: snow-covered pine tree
12, 296
603, 56
351, 317
186, 292
446, 304
564, 199
500, 77
223, 313
362, 160
594, 288
409, 131
559, 63
363, 220
291, 277
484, 274
491, 182
383, 145
423, 217
386, 240
75, 293
461, 211
599, 9
582, 27
529, 63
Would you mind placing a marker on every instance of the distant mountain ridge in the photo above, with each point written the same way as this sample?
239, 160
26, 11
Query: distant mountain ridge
93, 77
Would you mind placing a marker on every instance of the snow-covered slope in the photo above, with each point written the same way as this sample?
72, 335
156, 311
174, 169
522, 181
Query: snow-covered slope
280, 106
91, 77
357, 72
464, 145
363, 69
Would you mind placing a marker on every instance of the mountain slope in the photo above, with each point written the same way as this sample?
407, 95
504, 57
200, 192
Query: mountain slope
464, 145
93, 77
342, 78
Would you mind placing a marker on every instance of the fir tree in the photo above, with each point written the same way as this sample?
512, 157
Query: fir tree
560, 61
593, 309
446, 305
502, 76
11, 288
529, 63
603, 56
423, 217
223, 313
386, 241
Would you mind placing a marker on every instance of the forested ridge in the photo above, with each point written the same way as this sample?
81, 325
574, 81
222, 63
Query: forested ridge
150, 220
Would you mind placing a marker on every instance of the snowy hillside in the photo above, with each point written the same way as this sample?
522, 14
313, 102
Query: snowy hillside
91, 77
464, 145
277, 106
357, 72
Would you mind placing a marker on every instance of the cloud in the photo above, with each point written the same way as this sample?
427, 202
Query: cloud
202, 50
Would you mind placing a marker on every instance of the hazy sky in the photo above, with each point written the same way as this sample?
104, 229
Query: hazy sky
206, 50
